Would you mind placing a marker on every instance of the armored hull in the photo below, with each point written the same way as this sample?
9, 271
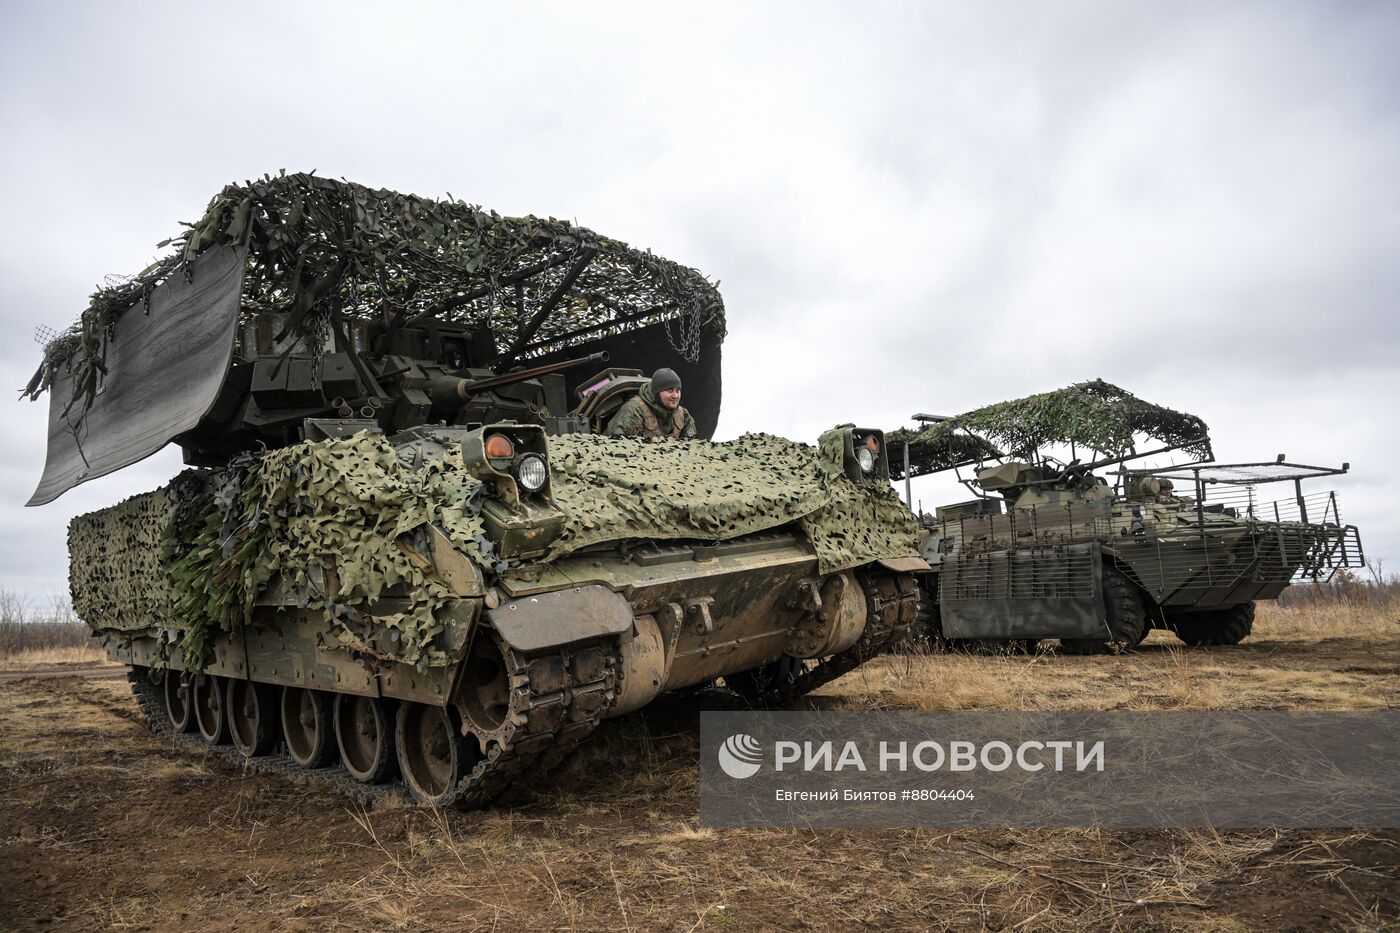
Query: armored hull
353, 599
404, 550
1052, 549
1048, 570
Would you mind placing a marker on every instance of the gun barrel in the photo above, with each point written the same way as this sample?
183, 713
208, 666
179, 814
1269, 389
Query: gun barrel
449, 392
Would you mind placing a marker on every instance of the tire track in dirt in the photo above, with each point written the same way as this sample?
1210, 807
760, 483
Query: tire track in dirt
86, 672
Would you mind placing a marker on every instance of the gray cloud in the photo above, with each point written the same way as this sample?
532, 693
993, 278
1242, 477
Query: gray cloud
910, 207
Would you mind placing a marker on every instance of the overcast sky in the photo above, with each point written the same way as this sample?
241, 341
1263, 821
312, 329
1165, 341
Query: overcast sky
909, 207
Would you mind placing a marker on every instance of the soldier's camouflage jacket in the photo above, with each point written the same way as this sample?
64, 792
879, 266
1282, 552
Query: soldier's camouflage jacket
643, 415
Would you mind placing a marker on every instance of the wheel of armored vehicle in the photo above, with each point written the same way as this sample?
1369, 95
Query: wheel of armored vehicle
179, 706
433, 754
307, 726
1228, 626
1126, 619
485, 694
364, 732
252, 717
210, 711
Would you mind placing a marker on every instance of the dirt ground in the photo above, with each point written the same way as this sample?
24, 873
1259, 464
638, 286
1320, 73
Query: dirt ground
103, 824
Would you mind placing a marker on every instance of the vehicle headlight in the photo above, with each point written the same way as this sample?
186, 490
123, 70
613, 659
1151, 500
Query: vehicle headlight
532, 472
865, 459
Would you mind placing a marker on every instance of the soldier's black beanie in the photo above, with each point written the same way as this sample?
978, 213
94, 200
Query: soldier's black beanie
664, 379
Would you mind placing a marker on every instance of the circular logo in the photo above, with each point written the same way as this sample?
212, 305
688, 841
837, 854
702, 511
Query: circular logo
740, 756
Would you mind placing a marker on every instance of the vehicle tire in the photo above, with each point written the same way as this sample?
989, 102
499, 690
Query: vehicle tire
179, 701
1126, 619
1228, 626
210, 711
308, 728
252, 716
434, 756
364, 731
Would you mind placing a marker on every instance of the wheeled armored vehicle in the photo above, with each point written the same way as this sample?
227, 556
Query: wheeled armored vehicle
1098, 553
403, 551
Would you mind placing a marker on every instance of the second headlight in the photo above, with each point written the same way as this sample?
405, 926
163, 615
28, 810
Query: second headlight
532, 473
865, 459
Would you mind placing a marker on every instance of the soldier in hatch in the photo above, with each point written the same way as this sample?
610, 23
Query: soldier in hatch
1167, 494
655, 411
1144, 489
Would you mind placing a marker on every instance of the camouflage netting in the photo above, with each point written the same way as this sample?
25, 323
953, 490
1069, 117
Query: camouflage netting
347, 502
933, 451
117, 563
696, 489
321, 249
1091, 415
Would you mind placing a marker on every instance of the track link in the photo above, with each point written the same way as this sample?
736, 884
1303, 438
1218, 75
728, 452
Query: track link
557, 698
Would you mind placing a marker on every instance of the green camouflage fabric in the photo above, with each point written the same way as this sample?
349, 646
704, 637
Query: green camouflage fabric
1092, 415
347, 503
696, 489
630, 420
320, 248
118, 575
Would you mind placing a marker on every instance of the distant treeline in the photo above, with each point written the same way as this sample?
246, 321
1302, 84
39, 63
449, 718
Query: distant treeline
1370, 587
26, 628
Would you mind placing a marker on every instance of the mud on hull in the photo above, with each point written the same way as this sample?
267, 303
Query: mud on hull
536, 662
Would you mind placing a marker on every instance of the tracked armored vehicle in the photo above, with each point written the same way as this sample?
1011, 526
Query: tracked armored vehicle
1097, 554
403, 554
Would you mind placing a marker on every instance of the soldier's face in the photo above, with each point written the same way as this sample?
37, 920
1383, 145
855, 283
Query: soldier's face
671, 398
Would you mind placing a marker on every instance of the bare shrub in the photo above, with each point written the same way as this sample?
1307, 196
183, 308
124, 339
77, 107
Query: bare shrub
23, 630
1348, 587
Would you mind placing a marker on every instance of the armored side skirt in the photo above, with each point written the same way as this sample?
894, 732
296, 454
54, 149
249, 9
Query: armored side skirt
1050, 592
679, 615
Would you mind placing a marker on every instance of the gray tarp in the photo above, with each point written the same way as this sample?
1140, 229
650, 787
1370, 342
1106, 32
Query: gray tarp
165, 365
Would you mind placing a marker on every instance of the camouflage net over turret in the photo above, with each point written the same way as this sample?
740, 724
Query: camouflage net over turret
195, 555
1090, 415
320, 249
933, 451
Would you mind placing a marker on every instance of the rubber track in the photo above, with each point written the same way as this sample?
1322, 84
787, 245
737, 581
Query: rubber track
892, 604
557, 699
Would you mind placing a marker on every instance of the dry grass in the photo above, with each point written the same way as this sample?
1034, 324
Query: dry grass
1330, 656
26, 658
104, 824
1328, 620
29, 636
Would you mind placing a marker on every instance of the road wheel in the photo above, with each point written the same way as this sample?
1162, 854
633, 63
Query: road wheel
179, 702
1126, 619
252, 722
210, 712
307, 726
1228, 626
433, 754
365, 735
